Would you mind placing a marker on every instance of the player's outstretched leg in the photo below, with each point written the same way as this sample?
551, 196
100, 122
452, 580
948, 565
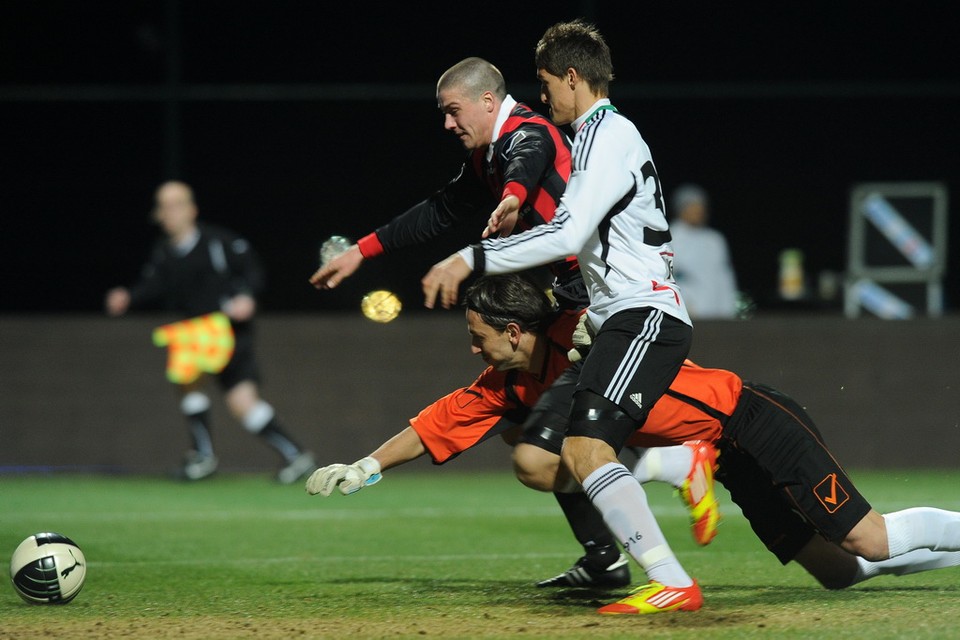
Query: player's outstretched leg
690, 468
619, 497
918, 539
602, 565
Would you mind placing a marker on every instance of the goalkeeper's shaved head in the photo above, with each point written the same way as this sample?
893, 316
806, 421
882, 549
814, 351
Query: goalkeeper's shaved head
474, 77
504, 299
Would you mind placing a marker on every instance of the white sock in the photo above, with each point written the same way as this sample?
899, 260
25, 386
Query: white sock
664, 464
922, 528
911, 562
619, 497
194, 402
258, 417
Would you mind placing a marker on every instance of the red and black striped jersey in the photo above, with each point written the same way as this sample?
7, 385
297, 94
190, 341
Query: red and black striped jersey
530, 159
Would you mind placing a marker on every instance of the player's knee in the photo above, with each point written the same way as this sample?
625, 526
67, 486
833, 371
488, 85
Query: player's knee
833, 567
872, 549
534, 467
242, 398
868, 539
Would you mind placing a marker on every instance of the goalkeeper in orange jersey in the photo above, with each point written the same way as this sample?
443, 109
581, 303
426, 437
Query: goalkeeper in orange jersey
796, 496
196, 269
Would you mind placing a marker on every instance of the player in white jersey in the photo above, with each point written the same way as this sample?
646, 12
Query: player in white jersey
611, 216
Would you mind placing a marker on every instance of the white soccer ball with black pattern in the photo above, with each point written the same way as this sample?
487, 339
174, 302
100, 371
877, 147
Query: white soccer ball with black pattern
48, 568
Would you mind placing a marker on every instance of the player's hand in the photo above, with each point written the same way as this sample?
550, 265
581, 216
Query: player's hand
337, 270
240, 307
349, 478
582, 340
117, 301
443, 282
504, 217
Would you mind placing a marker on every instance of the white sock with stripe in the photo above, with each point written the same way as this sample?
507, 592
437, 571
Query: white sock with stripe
664, 464
621, 500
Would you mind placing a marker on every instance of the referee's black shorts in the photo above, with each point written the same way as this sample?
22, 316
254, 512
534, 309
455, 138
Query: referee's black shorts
782, 476
243, 364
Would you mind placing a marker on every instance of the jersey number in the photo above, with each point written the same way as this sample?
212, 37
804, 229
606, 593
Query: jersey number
649, 171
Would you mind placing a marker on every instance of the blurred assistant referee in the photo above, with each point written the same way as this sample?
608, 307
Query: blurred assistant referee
198, 269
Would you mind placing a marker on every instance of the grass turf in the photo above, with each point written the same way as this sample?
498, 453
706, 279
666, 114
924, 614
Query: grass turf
425, 554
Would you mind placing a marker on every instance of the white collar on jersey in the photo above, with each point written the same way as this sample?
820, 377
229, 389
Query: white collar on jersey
602, 102
505, 108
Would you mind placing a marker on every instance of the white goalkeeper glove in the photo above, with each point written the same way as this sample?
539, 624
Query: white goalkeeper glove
349, 478
582, 339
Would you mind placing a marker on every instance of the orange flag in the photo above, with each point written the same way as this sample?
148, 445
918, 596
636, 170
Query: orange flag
197, 345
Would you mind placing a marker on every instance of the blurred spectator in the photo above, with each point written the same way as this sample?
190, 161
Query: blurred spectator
702, 260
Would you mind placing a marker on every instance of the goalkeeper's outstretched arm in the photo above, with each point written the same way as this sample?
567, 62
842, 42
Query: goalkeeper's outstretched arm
401, 448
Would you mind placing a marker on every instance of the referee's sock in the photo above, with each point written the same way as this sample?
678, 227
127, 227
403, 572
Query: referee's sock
620, 498
195, 407
589, 528
262, 421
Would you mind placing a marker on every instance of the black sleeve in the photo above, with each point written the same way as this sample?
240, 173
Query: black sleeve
151, 286
463, 198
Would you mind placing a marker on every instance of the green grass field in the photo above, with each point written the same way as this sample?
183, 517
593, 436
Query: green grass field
426, 554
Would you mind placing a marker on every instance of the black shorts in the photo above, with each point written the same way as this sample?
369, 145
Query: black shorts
243, 365
778, 470
635, 356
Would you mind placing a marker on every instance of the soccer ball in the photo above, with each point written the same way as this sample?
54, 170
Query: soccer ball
48, 568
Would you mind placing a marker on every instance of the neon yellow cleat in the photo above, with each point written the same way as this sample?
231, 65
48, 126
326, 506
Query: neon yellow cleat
698, 494
654, 597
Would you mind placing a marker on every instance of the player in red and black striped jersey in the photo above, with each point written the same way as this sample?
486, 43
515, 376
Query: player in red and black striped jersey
518, 162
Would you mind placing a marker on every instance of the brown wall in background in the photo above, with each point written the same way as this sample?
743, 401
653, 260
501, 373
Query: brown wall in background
89, 392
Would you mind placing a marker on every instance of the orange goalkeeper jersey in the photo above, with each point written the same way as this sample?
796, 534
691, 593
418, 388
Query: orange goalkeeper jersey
694, 408
496, 401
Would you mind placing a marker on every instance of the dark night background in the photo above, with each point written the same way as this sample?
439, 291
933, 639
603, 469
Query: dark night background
297, 120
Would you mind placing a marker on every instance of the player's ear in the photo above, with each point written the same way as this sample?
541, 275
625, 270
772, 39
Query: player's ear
572, 77
514, 332
488, 101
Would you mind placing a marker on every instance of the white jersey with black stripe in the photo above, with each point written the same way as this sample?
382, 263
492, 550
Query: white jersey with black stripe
611, 216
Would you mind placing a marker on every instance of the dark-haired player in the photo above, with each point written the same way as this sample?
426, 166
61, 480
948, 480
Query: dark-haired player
774, 462
612, 217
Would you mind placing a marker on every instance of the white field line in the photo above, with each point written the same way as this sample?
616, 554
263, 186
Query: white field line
352, 559
321, 514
